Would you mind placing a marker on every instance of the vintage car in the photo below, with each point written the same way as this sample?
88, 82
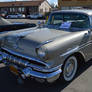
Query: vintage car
8, 26
50, 52
16, 16
35, 16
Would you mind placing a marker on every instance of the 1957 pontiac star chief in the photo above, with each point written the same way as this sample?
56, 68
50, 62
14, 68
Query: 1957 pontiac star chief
52, 51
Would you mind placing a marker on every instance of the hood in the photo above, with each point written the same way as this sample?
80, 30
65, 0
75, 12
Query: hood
26, 42
42, 35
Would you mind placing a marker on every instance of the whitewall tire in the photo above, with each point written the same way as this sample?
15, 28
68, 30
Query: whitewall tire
70, 68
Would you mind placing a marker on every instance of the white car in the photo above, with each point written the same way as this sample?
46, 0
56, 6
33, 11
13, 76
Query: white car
16, 16
35, 16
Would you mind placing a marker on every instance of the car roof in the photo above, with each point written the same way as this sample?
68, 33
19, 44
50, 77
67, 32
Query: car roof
85, 11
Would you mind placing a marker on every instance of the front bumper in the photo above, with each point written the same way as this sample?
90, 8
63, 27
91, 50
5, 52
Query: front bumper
30, 70
50, 77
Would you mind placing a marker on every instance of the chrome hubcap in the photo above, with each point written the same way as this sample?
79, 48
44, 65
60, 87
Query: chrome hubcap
70, 68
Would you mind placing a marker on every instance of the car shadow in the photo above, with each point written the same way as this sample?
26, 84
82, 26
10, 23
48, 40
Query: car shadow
8, 82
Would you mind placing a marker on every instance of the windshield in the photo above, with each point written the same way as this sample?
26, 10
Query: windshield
68, 20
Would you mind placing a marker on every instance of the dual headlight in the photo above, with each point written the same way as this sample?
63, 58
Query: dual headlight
41, 52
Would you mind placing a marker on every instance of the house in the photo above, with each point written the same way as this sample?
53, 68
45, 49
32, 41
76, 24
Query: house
45, 7
25, 7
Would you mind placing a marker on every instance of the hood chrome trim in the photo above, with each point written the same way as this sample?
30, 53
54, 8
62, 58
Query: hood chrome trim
46, 42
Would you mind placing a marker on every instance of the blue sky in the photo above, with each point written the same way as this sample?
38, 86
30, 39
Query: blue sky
51, 1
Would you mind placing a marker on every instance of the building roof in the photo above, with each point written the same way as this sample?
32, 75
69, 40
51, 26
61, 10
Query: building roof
21, 3
74, 3
86, 11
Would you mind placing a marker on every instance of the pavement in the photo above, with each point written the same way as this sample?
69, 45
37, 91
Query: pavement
82, 82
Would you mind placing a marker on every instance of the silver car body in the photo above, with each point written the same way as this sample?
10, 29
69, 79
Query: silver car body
20, 47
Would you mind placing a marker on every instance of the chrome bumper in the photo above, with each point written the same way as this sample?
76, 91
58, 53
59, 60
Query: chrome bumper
41, 77
50, 74
29, 72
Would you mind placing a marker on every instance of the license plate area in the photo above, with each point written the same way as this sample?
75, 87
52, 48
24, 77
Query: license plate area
14, 70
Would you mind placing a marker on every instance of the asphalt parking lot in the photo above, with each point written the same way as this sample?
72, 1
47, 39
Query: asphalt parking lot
82, 82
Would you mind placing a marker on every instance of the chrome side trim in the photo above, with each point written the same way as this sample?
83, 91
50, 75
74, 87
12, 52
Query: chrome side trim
70, 51
29, 72
76, 48
86, 44
26, 57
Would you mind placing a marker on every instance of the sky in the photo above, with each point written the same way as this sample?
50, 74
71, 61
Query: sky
50, 1
53, 1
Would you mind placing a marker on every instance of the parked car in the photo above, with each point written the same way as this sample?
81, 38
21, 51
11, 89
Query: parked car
35, 16
16, 16
4, 21
50, 52
8, 26
3, 14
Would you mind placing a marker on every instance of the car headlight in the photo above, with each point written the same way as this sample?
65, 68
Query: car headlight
41, 52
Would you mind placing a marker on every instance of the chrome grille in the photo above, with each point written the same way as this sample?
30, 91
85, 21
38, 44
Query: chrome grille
19, 60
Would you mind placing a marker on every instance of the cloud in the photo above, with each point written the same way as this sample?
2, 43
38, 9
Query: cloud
55, 3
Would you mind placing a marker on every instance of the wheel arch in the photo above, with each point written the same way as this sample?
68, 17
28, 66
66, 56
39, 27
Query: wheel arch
80, 56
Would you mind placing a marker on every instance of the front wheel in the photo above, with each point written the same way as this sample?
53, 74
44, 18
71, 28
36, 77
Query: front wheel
70, 68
